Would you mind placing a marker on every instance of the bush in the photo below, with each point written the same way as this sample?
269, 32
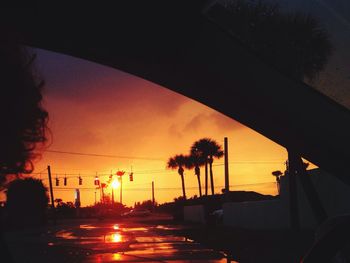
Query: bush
27, 202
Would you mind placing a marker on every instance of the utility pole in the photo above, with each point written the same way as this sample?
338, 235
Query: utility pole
112, 196
121, 189
153, 201
51, 193
101, 193
51, 190
227, 181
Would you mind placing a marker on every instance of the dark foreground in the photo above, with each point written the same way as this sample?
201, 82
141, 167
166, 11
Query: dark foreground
127, 240
153, 239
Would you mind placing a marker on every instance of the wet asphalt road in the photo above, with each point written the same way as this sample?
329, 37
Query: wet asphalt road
108, 241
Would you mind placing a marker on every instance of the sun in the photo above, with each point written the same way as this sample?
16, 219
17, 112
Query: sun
115, 184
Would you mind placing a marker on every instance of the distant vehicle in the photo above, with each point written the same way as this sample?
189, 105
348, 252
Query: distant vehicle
218, 214
216, 217
137, 212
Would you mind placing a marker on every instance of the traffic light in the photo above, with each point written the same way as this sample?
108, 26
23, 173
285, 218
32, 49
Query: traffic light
80, 180
131, 177
57, 182
65, 181
97, 181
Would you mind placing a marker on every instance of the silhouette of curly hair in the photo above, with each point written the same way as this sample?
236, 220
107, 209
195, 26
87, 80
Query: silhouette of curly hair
23, 119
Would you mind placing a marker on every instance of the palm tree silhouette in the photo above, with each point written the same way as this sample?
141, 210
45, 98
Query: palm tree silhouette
278, 175
194, 160
296, 44
178, 162
208, 149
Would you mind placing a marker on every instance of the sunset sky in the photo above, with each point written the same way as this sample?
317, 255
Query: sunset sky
138, 125
99, 110
95, 109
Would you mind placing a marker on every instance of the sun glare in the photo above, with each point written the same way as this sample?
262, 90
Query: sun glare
115, 184
116, 238
117, 256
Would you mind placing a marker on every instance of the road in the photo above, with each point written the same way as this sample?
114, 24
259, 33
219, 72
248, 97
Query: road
126, 240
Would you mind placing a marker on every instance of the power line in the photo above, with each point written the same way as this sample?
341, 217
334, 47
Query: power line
43, 170
150, 159
250, 162
105, 155
154, 171
67, 175
164, 188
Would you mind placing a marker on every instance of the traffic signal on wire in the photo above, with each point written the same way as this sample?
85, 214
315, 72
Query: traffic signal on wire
97, 181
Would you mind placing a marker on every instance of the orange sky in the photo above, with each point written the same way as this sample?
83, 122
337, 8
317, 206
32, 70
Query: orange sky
96, 109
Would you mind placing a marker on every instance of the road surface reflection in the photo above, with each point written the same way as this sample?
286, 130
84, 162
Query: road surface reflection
94, 241
134, 242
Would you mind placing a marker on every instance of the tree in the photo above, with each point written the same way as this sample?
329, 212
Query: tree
27, 202
295, 44
23, 119
208, 149
278, 175
191, 163
148, 204
58, 201
22, 115
195, 160
178, 162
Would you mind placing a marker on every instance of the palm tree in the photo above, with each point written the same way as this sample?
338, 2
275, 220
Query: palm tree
278, 175
208, 149
194, 160
199, 148
177, 162
296, 44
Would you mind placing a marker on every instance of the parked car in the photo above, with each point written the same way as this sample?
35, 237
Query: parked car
136, 212
215, 217
218, 214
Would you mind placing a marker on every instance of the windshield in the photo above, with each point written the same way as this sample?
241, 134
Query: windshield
210, 131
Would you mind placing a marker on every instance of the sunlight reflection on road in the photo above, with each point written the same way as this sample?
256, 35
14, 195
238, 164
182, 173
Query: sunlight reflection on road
116, 256
134, 242
116, 237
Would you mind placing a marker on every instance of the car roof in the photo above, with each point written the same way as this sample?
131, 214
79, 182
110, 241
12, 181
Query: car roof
197, 58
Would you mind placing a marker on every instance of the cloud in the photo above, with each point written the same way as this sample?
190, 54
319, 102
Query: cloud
215, 120
196, 123
103, 89
91, 137
223, 122
175, 132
